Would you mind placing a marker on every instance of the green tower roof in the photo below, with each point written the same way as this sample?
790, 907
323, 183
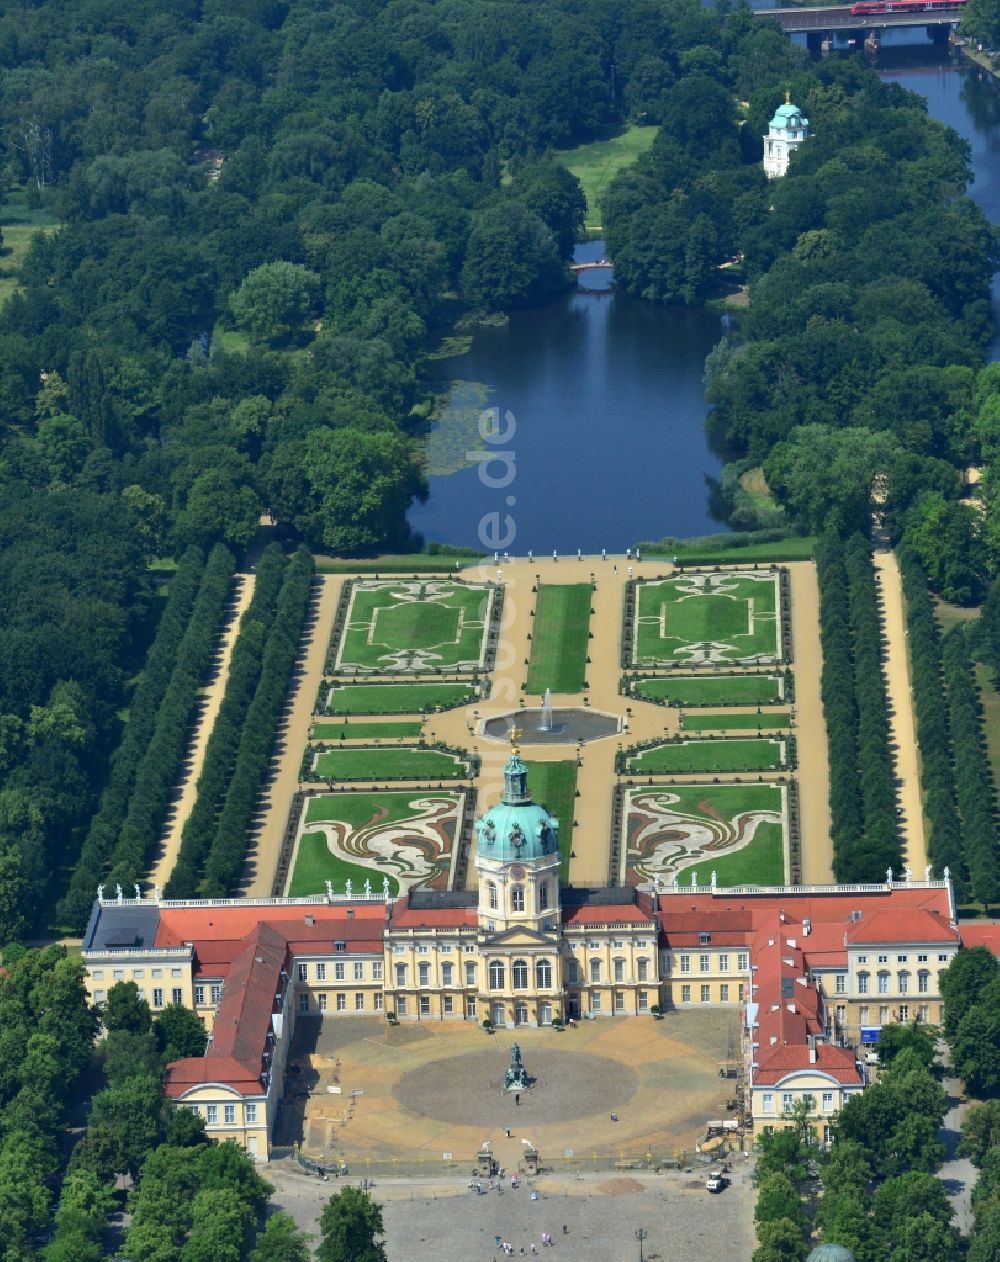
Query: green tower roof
517, 829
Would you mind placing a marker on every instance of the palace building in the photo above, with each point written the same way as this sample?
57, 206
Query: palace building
815, 972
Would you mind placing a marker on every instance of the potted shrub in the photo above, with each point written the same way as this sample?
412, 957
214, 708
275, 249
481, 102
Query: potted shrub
487, 1025
656, 1012
392, 1018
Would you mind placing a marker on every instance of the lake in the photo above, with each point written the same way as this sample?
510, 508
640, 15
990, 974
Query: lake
599, 436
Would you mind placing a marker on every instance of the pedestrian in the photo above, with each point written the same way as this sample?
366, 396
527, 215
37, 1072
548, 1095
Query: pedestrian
628, 554
604, 554
533, 1249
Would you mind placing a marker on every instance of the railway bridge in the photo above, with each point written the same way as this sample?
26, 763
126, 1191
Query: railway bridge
825, 21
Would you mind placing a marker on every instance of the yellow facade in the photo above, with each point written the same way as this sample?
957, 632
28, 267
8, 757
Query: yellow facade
230, 1116
717, 976
773, 1105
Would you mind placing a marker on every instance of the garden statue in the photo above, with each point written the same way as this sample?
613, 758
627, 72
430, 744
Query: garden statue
516, 1077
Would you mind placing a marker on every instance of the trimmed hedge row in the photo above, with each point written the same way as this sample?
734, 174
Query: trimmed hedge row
862, 798
881, 848
944, 842
839, 705
974, 788
146, 699
223, 743
157, 770
230, 844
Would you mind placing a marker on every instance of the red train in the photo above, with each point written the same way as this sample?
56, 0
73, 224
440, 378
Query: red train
869, 8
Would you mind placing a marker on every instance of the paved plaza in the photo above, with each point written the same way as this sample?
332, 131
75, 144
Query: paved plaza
371, 1095
450, 1223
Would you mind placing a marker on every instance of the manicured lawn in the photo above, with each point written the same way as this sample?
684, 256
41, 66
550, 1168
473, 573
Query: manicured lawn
712, 689
553, 785
419, 625
399, 763
799, 548
725, 721
18, 224
365, 731
713, 617
397, 698
315, 865
721, 755
990, 699
596, 164
559, 638
760, 863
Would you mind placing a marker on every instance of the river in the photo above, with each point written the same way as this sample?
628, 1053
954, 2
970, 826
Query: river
599, 438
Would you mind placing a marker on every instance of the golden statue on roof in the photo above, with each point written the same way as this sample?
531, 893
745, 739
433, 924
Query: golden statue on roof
515, 735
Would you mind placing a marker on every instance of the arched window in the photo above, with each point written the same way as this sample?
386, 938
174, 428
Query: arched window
863, 981
543, 896
642, 970
517, 897
496, 975
903, 982
619, 966
543, 975
491, 887
519, 973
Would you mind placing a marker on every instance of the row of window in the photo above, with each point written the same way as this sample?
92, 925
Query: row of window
706, 993
176, 996
340, 970
722, 965
788, 1100
883, 981
517, 896
942, 958
135, 974
340, 1001
228, 1114
884, 1014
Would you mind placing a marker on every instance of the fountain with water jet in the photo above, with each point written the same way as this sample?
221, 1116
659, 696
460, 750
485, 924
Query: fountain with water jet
545, 719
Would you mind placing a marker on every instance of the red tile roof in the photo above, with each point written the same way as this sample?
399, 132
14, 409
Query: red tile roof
182, 1075
838, 1062
902, 925
405, 917
615, 914
981, 933
207, 924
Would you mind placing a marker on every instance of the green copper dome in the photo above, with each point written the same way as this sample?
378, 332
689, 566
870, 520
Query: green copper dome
830, 1253
788, 116
517, 829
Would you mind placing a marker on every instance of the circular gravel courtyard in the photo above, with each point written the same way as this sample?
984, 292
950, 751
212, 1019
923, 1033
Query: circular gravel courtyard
469, 1090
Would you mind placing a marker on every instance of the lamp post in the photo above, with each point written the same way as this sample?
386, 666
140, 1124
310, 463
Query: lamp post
640, 1234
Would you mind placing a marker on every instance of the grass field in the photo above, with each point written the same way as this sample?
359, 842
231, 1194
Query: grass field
365, 731
737, 831
420, 625
597, 163
553, 785
406, 836
714, 617
797, 548
18, 224
397, 698
559, 638
712, 689
727, 721
684, 757
392, 763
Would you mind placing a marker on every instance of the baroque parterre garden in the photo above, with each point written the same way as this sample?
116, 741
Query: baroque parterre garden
419, 626
707, 618
699, 779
